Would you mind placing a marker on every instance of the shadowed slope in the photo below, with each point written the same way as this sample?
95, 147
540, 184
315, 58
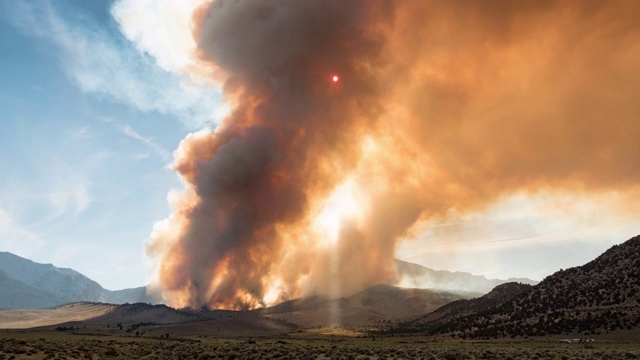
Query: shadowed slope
600, 296
375, 306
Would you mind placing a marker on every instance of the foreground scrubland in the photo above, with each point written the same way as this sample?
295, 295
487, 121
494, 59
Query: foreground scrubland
25, 345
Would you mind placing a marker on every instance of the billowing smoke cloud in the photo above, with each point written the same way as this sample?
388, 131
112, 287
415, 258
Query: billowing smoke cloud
442, 107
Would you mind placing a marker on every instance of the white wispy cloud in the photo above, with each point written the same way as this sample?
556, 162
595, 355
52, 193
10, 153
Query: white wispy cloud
16, 239
66, 191
100, 156
161, 28
105, 63
106, 119
147, 141
82, 133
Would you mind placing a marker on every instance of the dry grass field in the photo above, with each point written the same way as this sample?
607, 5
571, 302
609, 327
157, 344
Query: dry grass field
20, 319
51, 344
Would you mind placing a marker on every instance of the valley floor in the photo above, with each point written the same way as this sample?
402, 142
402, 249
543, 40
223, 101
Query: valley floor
38, 344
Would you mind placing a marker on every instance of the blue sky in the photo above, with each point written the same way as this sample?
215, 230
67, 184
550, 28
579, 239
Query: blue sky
88, 126
87, 131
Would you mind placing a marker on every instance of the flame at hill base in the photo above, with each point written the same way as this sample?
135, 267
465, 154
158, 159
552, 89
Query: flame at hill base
307, 186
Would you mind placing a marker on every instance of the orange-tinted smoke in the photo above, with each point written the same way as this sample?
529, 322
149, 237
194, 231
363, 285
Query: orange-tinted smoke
441, 106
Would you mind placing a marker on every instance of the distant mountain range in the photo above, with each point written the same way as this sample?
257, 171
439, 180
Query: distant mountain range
598, 297
25, 284
417, 276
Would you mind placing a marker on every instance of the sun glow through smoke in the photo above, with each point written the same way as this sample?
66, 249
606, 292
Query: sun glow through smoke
340, 206
272, 294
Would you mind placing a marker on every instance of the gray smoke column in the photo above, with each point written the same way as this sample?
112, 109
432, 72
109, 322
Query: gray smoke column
441, 107
288, 141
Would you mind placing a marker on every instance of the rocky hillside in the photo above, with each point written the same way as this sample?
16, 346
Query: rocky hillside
25, 284
462, 308
418, 276
601, 296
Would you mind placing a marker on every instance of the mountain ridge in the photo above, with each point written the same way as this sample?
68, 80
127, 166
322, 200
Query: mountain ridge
602, 295
28, 284
25, 284
418, 276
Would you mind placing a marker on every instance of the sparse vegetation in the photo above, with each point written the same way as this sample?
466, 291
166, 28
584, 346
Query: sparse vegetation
600, 297
65, 346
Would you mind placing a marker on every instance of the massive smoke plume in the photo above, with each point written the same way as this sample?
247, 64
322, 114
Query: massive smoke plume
442, 107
